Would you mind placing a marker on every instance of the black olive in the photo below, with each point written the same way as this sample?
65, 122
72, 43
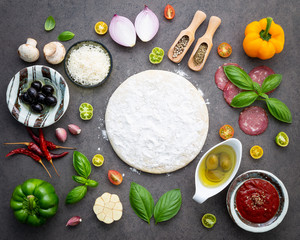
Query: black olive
26, 98
36, 85
41, 98
36, 107
32, 92
47, 90
50, 101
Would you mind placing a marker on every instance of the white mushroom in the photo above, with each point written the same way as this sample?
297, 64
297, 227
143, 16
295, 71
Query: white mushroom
28, 51
54, 52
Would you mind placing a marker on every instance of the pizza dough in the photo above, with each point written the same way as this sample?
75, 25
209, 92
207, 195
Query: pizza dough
156, 121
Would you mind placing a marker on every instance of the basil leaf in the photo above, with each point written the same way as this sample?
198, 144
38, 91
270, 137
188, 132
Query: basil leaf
76, 194
91, 183
141, 201
271, 82
167, 206
257, 87
79, 179
244, 99
279, 110
65, 36
81, 164
239, 77
50, 23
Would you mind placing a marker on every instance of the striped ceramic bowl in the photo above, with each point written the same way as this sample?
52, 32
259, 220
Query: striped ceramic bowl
21, 82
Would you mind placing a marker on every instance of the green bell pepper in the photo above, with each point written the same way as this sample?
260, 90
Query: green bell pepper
34, 201
157, 55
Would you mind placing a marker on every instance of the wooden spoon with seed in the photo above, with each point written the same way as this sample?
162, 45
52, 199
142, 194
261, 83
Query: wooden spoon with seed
206, 39
199, 17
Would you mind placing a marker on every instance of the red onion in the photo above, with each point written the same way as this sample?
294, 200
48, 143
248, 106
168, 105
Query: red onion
146, 24
122, 31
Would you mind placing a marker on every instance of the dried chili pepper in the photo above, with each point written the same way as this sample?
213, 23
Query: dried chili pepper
30, 154
36, 149
50, 145
43, 146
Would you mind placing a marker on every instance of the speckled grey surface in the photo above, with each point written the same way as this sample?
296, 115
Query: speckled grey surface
22, 19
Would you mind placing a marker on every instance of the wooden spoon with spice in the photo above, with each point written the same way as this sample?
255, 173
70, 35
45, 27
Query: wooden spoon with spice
185, 38
204, 45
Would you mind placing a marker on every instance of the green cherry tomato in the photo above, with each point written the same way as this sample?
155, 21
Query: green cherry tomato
209, 220
282, 139
157, 55
86, 111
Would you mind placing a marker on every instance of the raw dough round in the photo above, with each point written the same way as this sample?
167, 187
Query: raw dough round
156, 121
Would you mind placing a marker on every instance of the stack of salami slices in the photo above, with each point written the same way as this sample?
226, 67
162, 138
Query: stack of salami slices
253, 120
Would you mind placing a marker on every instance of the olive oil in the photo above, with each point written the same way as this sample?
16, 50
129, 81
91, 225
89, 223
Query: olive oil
218, 166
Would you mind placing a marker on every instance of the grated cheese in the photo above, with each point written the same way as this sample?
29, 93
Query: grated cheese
88, 65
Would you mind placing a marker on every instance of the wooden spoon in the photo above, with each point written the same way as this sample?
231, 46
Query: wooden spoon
214, 23
199, 17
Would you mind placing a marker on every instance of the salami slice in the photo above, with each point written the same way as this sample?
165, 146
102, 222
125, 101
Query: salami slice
220, 77
230, 91
253, 120
258, 74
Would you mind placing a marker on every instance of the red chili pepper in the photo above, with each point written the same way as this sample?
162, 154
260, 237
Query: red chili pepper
36, 149
30, 154
50, 145
43, 146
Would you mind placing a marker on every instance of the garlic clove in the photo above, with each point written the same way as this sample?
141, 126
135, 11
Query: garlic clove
74, 129
28, 51
73, 221
61, 134
54, 52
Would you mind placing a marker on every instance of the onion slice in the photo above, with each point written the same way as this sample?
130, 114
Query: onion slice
146, 24
122, 31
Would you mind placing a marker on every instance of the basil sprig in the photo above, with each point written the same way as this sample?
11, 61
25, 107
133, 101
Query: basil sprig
142, 203
49, 24
83, 167
65, 36
243, 81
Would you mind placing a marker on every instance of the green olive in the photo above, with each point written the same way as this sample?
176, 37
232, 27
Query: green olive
214, 175
212, 162
225, 161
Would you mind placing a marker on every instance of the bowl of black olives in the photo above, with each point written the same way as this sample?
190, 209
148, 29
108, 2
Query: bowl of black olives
37, 96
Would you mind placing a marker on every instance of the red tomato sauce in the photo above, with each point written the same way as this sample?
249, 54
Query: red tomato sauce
257, 200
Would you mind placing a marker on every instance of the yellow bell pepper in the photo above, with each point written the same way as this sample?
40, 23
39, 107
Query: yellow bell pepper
263, 39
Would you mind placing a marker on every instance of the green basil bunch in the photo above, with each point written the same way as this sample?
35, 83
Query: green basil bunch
83, 168
256, 92
142, 203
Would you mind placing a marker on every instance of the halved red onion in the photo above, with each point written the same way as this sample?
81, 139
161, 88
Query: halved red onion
146, 24
122, 31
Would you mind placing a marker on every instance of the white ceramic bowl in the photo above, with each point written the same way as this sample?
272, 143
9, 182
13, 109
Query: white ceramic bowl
257, 227
202, 192
21, 82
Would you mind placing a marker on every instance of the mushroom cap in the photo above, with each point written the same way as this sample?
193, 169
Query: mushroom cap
54, 52
28, 52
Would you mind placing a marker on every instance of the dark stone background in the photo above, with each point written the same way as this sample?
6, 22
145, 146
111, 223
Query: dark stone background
22, 19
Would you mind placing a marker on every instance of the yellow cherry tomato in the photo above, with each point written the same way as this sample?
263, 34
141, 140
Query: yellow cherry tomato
256, 152
101, 28
98, 160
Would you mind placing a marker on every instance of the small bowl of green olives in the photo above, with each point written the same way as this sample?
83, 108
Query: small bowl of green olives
37, 96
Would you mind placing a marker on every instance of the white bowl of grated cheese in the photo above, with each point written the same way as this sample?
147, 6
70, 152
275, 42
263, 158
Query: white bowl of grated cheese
88, 63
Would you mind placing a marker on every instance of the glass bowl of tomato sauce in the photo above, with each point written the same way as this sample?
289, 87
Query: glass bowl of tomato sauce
257, 201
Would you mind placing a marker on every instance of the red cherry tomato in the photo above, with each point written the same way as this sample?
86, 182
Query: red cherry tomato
115, 177
224, 50
169, 12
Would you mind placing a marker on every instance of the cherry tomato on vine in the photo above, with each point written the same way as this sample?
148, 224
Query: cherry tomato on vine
169, 12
